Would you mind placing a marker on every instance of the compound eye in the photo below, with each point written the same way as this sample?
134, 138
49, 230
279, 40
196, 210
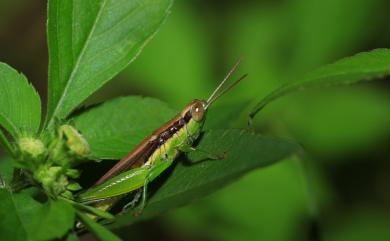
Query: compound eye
197, 111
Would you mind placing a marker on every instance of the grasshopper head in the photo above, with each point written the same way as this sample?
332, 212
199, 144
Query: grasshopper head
196, 109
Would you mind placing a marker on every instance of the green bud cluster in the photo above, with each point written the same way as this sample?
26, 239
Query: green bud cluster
51, 158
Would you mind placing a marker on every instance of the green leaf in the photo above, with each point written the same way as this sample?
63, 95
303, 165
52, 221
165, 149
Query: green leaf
101, 232
364, 66
23, 218
244, 151
20, 105
115, 127
53, 220
91, 41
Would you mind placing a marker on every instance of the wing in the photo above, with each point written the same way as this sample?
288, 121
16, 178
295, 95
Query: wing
137, 157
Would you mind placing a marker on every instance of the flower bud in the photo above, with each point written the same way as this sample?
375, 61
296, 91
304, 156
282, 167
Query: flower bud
75, 141
31, 146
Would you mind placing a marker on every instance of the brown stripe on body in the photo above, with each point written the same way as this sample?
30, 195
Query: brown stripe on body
140, 154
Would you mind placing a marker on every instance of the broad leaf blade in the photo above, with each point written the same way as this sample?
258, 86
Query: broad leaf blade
360, 67
115, 127
20, 105
91, 41
244, 152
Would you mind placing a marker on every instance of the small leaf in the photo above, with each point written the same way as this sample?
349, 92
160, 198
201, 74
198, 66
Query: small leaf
100, 231
73, 186
20, 105
91, 41
360, 67
117, 126
243, 151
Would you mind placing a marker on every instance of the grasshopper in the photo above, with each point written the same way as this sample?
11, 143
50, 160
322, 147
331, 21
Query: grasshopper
154, 154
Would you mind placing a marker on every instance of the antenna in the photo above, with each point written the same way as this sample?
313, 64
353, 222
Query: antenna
225, 90
225, 79
215, 95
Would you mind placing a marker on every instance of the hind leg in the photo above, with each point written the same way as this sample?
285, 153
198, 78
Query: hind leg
132, 203
144, 193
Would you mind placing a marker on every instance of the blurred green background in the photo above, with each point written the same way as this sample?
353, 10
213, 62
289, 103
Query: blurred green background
338, 191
